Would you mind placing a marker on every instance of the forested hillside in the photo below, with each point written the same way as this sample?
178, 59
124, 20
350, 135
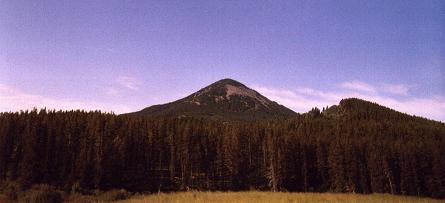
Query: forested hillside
356, 146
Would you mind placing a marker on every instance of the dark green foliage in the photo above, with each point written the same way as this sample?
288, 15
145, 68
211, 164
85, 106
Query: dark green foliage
356, 146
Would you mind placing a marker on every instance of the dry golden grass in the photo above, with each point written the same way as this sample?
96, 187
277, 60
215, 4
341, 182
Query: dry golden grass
259, 197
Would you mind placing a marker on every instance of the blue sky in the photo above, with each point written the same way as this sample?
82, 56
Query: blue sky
126, 55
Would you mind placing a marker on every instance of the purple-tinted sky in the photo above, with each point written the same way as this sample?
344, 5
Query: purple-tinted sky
126, 55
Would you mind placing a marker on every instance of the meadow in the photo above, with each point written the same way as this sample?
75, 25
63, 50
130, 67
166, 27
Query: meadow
259, 197
48, 194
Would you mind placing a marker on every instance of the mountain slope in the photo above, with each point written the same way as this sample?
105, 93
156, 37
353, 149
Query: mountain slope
225, 99
359, 109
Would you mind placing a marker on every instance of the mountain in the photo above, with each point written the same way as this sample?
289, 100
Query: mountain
359, 109
225, 99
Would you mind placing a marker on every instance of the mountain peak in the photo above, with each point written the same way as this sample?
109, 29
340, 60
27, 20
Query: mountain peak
224, 99
227, 91
228, 81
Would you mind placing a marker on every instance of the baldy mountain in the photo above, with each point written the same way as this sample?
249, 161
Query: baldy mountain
225, 99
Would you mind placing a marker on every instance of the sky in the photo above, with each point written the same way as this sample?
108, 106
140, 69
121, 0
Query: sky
122, 56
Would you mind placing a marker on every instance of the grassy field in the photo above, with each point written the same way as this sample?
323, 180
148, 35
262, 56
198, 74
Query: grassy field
259, 197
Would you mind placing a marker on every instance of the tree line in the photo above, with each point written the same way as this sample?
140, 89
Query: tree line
354, 147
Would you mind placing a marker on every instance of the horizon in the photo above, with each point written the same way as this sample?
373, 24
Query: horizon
123, 57
111, 111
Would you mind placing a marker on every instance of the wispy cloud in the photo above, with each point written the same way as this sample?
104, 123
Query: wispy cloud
300, 100
398, 89
358, 86
13, 99
303, 99
129, 82
122, 85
